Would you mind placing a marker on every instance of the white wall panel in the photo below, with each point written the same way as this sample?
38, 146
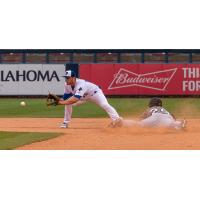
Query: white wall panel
31, 79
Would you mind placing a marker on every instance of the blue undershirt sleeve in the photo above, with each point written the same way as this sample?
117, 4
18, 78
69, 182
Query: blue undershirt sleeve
67, 95
77, 96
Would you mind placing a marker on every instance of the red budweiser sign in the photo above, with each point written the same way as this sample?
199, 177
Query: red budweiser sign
144, 79
157, 80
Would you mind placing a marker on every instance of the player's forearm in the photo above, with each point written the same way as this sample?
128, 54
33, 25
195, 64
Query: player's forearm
69, 101
145, 115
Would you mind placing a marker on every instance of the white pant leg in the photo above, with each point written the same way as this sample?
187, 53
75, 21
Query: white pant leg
169, 121
100, 99
68, 111
150, 121
130, 123
160, 120
155, 120
176, 124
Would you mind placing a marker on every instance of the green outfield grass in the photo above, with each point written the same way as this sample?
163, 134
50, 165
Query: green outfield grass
186, 107
12, 140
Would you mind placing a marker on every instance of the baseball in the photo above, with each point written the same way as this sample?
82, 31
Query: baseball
22, 103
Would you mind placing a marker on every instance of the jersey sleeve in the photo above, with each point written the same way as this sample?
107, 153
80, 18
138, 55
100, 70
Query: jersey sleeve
67, 96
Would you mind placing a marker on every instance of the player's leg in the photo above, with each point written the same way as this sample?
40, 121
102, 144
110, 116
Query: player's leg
130, 123
178, 124
100, 99
68, 113
67, 116
159, 120
151, 121
168, 121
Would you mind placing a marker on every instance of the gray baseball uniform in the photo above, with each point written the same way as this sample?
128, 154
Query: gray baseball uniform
156, 116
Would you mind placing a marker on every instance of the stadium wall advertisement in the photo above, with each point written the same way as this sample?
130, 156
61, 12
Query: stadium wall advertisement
31, 79
144, 79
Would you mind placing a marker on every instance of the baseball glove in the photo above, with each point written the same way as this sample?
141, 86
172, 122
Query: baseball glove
52, 100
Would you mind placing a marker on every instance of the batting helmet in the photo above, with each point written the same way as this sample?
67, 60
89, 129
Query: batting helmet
155, 102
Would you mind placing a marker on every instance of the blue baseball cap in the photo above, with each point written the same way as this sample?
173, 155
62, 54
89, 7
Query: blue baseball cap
69, 73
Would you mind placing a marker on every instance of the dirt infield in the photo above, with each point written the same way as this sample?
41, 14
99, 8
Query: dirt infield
93, 134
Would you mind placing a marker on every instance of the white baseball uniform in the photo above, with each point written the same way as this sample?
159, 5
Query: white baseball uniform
87, 91
156, 117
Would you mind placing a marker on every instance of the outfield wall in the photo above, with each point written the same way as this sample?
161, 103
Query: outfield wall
31, 79
114, 79
144, 79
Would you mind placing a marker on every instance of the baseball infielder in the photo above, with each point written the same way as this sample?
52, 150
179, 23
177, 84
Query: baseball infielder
156, 116
78, 91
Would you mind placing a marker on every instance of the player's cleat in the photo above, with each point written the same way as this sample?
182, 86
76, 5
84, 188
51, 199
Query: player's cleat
64, 125
183, 124
116, 123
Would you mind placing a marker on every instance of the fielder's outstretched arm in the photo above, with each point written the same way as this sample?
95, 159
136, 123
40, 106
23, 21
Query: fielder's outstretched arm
69, 101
